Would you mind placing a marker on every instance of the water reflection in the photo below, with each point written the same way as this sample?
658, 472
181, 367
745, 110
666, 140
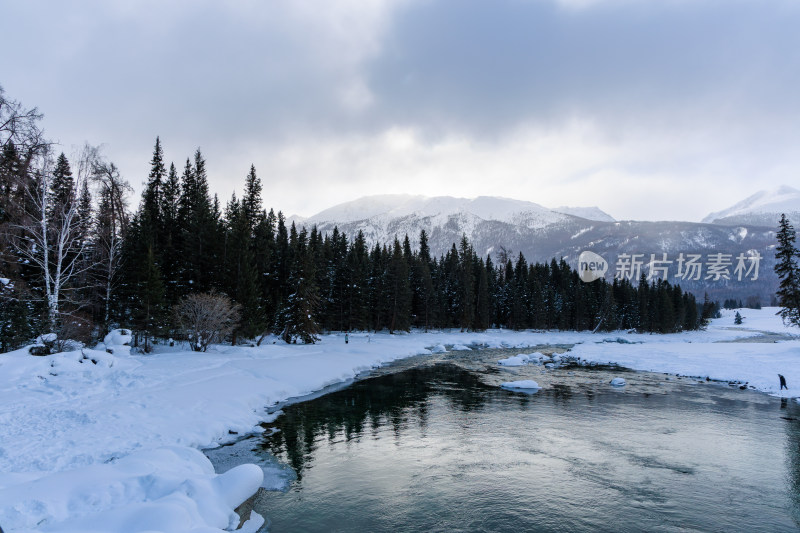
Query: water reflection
438, 448
396, 400
792, 423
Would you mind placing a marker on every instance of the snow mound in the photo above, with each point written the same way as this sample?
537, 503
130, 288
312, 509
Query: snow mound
527, 384
118, 341
45, 338
521, 359
167, 489
618, 382
118, 337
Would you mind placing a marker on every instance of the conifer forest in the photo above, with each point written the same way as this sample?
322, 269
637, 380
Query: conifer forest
80, 256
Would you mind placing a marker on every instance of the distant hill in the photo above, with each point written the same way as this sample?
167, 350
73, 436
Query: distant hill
503, 227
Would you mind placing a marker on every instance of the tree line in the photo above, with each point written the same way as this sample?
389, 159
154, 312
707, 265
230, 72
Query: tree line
76, 262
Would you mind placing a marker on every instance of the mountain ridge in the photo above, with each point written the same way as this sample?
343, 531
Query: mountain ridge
503, 228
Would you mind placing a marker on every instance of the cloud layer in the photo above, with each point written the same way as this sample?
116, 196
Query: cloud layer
623, 103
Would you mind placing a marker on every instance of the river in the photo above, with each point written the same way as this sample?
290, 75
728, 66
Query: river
434, 444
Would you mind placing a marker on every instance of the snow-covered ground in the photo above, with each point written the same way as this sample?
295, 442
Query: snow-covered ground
98, 442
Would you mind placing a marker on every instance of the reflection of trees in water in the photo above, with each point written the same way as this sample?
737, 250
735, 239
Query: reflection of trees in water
394, 400
792, 414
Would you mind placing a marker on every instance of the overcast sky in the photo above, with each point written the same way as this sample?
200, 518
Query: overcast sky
650, 109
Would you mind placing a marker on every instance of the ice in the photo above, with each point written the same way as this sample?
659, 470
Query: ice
521, 359
522, 384
516, 360
618, 382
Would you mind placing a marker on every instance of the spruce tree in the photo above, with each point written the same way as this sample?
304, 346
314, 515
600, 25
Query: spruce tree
62, 187
787, 269
241, 274
399, 290
251, 201
482, 307
466, 301
297, 318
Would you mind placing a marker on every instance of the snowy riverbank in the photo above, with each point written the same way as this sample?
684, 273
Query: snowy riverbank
98, 446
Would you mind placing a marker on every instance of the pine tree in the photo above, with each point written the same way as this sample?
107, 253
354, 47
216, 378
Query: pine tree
358, 297
297, 318
737, 318
241, 274
399, 290
153, 195
482, 308
200, 229
62, 187
423, 284
170, 236
251, 202
467, 285
787, 269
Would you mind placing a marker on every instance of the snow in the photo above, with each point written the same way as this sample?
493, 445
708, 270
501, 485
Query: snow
118, 337
783, 199
521, 384
618, 382
47, 337
589, 213
95, 441
525, 358
393, 206
167, 489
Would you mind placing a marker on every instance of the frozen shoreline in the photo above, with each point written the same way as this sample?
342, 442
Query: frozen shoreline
64, 416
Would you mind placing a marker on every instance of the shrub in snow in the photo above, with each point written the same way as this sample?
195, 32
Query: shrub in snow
206, 318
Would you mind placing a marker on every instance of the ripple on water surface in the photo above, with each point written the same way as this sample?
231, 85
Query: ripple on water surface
434, 444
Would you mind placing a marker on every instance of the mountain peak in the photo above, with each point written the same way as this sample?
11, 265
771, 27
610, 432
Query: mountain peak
762, 208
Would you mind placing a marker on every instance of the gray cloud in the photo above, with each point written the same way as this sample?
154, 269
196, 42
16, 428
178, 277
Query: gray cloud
488, 65
341, 96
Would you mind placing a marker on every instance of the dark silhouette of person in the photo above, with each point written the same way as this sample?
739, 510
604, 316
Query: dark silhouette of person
783, 382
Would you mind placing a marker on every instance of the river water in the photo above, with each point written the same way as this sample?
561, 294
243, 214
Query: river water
434, 444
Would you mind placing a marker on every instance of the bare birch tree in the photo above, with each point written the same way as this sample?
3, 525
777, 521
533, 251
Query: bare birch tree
112, 223
50, 239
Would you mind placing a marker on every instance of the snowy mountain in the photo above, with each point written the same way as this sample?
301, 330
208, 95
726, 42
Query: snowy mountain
589, 213
503, 228
439, 209
764, 208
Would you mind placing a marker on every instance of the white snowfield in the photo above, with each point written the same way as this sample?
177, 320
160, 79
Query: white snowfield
92, 441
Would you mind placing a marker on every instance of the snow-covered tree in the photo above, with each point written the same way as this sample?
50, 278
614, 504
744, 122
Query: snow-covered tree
788, 271
50, 239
